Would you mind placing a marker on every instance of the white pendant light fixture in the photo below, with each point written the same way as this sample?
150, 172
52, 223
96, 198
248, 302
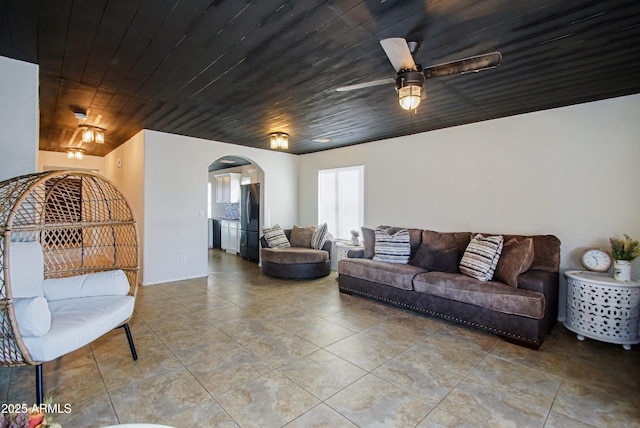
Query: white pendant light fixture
279, 140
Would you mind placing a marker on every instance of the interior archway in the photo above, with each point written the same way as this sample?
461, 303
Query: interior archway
226, 206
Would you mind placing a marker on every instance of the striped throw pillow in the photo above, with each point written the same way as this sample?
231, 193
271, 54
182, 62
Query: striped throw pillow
275, 237
319, 237
481, 257
394, 248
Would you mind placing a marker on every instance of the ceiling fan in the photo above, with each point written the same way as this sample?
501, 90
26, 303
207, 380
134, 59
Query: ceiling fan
410, 76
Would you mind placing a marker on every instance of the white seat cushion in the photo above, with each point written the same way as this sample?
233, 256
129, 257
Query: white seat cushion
26, 267
108, 283
77, 322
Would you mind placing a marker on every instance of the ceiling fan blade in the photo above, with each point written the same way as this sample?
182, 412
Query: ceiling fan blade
472, 64
366, 84
399, 54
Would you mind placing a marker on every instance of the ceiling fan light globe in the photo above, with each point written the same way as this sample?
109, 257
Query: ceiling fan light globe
409, 97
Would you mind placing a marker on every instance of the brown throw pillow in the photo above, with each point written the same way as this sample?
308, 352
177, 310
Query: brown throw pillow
369, 241
437, 260
301, 236
516, 258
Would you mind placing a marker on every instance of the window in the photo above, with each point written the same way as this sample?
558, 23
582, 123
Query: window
341, 199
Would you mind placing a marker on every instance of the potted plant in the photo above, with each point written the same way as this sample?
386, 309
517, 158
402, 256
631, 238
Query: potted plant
623, 251
354, 237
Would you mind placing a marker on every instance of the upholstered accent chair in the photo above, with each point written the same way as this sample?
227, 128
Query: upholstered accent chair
295, 262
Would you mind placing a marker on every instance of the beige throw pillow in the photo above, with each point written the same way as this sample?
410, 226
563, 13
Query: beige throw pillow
301, 236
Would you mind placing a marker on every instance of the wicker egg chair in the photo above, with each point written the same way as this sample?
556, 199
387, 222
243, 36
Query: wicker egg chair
83, 224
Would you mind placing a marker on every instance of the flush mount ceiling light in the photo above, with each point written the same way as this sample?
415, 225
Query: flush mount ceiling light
92, 134
75, 153
322, 140
409, 87
80, 115
279, 140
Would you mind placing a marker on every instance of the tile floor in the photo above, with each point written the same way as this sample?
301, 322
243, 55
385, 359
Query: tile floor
241, 349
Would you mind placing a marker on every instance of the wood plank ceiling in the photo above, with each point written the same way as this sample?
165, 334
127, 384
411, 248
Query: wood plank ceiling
234, 71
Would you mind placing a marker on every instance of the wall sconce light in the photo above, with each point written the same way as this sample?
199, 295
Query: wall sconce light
92, 134
409, 87
279, 140
75, 153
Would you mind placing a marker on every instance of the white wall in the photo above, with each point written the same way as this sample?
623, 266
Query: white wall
19, 118
55, 160
573, 172
175, 193
124, 167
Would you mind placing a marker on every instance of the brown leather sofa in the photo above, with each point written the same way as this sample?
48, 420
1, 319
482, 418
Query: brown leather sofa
295, 262
523, 314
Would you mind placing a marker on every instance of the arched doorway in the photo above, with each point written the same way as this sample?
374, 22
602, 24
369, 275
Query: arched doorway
235, 198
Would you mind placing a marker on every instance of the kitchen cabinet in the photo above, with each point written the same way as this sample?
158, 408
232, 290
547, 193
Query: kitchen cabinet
234, 237
230, 236
224, 235
215, 232
228, 188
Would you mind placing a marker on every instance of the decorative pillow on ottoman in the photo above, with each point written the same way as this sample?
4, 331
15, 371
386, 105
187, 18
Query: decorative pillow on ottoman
275, 237
481, 257
301, 236
394, 248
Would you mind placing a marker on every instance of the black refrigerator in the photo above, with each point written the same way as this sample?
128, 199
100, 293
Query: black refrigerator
250, 221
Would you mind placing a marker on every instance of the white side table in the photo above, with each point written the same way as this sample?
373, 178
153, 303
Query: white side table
601, 308
343, 248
